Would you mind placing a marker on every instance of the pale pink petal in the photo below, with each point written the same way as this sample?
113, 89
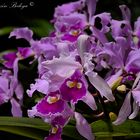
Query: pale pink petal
125, 12
62, 66
101, 37
24, 32
15, 68
136, 95
83, 127
40, 85
16, 109
100, 85
114, 77
82, 46
135, 111
90, 101
19, 91
91, 4
124, 111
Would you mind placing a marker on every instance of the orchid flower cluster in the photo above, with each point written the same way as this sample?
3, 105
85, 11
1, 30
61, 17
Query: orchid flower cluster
89, 58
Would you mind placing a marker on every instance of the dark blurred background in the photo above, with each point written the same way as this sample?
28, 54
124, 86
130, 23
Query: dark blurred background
37, 14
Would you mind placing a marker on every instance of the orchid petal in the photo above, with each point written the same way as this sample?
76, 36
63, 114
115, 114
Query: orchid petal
114, 78
19, 91
82, 46
90, 101
63, 66
40, 85
136, 95
100, 85
125, 12
91, 4
124, 111
83, 127
16, 109
101, 37
133, 61
135, 111
25, 33
15, 68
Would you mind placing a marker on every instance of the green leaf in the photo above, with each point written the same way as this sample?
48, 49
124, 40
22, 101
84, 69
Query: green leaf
5, 30
33, 128
24, 122
40, 27
37, 129
25, 131
29, 127
129, 128
71, 132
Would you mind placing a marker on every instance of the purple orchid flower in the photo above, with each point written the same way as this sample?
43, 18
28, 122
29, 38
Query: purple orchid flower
24, 33
9, 59
74, 87
126, 108
83, 127
51, 104
40, 85
95, 80
10, 87
69, 8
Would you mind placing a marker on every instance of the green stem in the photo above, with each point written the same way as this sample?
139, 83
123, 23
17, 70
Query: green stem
106, 113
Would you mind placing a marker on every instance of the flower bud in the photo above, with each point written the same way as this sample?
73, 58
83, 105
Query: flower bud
121, 88
112, 116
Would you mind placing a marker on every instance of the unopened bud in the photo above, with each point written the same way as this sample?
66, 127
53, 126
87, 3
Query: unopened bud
121, 88
112, 116
136, 40
116, 83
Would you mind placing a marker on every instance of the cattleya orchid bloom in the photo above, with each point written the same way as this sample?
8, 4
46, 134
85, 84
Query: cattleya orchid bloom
51, 104
9, 87
73, 88
127, 104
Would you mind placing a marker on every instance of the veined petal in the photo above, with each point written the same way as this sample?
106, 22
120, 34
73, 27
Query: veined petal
89, 100
100, 85
133, 61
82, 46
25, 33
91, 4
115, 78
51, 104
124, 111
125, 12
73, 88
40, 85
15, 68
19, 91
135, 111
16, 109
101, 37
63, 66
136, 95
83, 127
